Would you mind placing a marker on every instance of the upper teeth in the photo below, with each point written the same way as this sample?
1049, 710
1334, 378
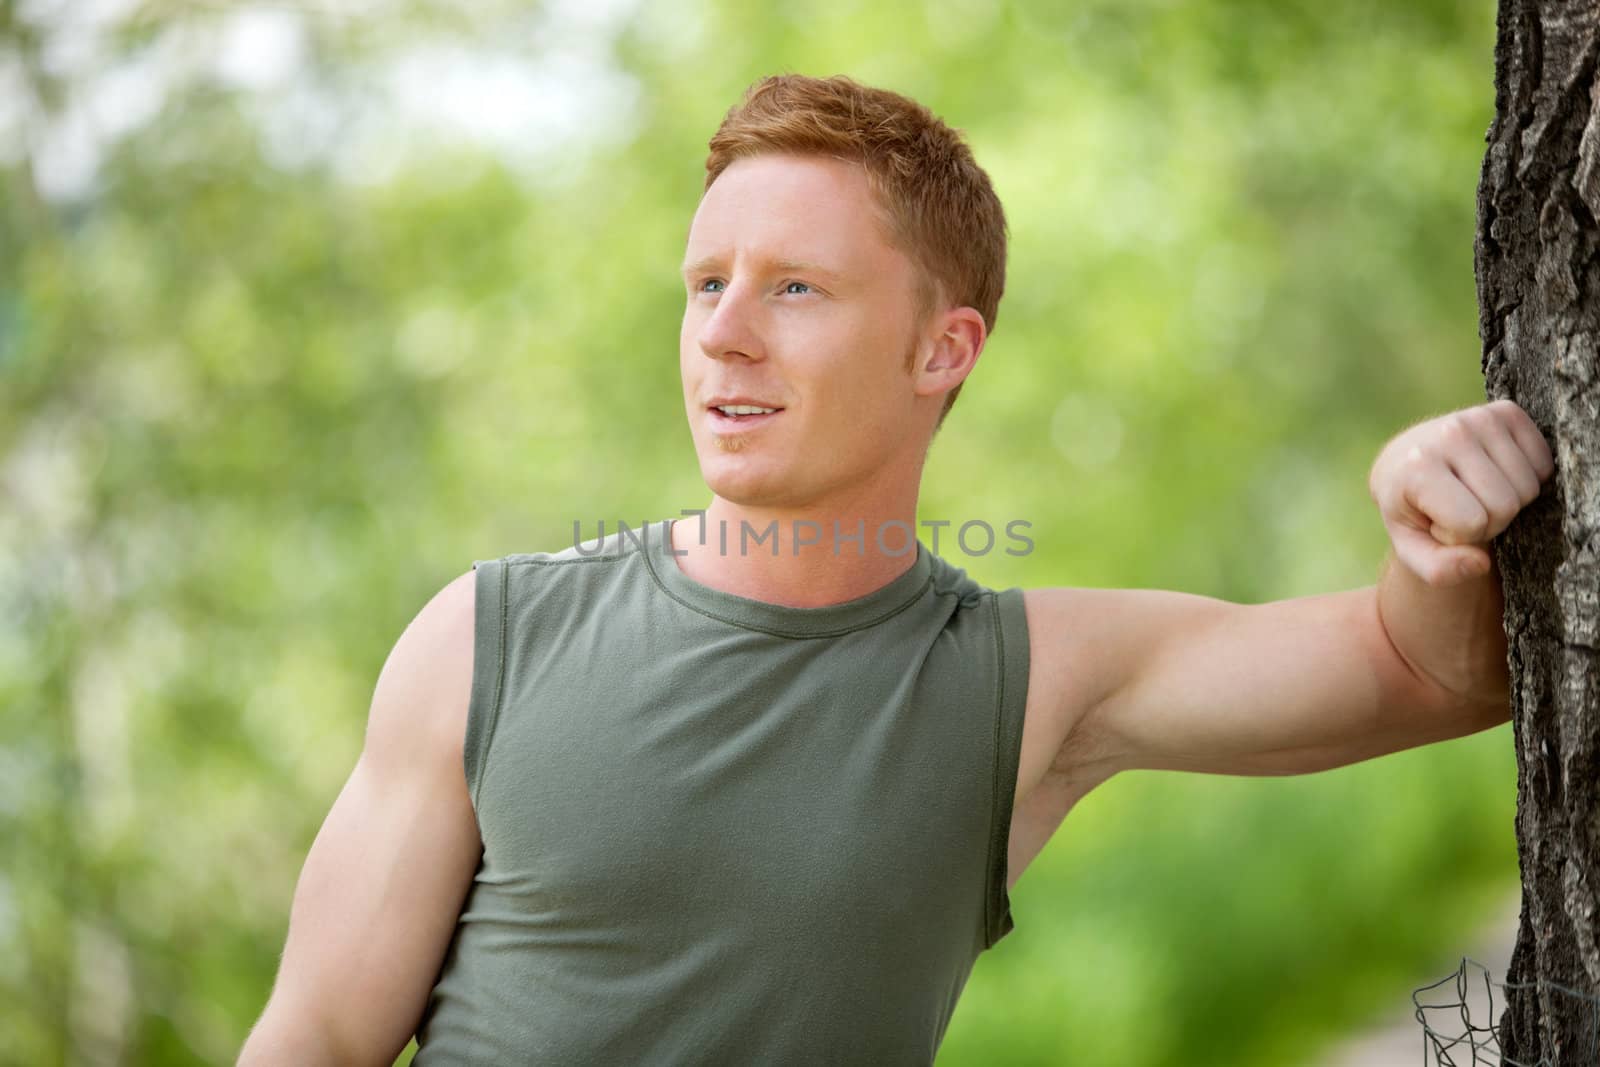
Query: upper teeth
743, 409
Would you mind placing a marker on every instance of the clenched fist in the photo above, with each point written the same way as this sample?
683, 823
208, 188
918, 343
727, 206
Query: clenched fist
1446, 486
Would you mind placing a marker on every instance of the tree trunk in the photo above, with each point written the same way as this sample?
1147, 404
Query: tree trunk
1538, 270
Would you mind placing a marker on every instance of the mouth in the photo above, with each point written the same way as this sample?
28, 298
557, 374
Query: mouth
740, 419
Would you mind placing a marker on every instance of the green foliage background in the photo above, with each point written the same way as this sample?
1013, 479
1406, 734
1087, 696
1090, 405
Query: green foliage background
291, 357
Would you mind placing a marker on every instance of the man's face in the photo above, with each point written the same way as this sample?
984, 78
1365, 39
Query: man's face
795, 301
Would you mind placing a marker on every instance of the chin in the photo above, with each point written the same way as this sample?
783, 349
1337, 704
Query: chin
743, 484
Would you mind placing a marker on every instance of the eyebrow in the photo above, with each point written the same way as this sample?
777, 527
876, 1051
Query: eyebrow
712, 263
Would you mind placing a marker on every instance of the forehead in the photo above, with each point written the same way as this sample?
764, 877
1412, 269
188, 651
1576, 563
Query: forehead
792, 208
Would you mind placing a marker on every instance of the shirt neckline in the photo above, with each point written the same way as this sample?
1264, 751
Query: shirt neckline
826, 621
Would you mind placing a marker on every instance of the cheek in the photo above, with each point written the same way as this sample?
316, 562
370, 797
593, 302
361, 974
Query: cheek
855, 396
687, 365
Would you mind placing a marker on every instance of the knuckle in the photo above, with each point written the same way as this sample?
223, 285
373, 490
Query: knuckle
1503, 503
1454, 430
1412, 461
1418, 473
1477, 527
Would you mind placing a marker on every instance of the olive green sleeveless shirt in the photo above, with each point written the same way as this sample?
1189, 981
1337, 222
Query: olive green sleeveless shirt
717, 830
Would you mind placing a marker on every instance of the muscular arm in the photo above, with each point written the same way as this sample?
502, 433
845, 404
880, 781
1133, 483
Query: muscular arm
383, 884
1143, 678
1194, 683
1188, 682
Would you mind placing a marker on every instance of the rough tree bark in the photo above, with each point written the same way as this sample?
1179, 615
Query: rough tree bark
1538, 270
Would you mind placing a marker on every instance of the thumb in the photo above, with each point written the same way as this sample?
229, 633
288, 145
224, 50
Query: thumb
1469, 561
1435, 563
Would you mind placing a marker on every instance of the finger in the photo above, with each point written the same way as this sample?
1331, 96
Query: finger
1445, 507
1514, 465
1434, 563
1485, 480
1531, 440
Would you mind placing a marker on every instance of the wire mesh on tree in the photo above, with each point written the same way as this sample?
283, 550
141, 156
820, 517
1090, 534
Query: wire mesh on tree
1453, 1038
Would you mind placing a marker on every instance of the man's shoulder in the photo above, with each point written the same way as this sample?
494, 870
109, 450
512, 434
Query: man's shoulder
443, 623
424, 685
564, 585
623, 541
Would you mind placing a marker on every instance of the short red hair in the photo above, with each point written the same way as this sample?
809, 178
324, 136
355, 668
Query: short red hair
939, 208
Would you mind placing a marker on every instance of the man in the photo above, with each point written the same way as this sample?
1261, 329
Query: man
735, 804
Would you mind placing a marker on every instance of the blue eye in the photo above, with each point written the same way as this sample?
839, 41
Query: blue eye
802, 285
709, 281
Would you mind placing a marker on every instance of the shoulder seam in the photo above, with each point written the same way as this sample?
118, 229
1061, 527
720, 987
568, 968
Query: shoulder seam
560, 562
499, 683
989, 918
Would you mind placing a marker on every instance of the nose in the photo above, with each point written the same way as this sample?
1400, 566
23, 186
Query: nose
731, 329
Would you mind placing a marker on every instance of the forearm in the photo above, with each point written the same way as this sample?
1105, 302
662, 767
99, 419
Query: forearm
1452, 635
278, 1040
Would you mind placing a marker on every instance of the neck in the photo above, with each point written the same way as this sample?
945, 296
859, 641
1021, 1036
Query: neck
825, 554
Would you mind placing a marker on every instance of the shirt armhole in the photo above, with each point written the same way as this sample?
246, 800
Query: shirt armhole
1011, 700
488, 667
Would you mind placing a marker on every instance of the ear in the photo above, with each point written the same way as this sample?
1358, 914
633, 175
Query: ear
952, 353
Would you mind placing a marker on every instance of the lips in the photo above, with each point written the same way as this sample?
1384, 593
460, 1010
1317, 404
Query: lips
738, 423
740, 401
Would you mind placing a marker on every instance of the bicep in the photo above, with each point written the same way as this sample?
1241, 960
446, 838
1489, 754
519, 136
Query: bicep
1287, 687
384, 881
374, 911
